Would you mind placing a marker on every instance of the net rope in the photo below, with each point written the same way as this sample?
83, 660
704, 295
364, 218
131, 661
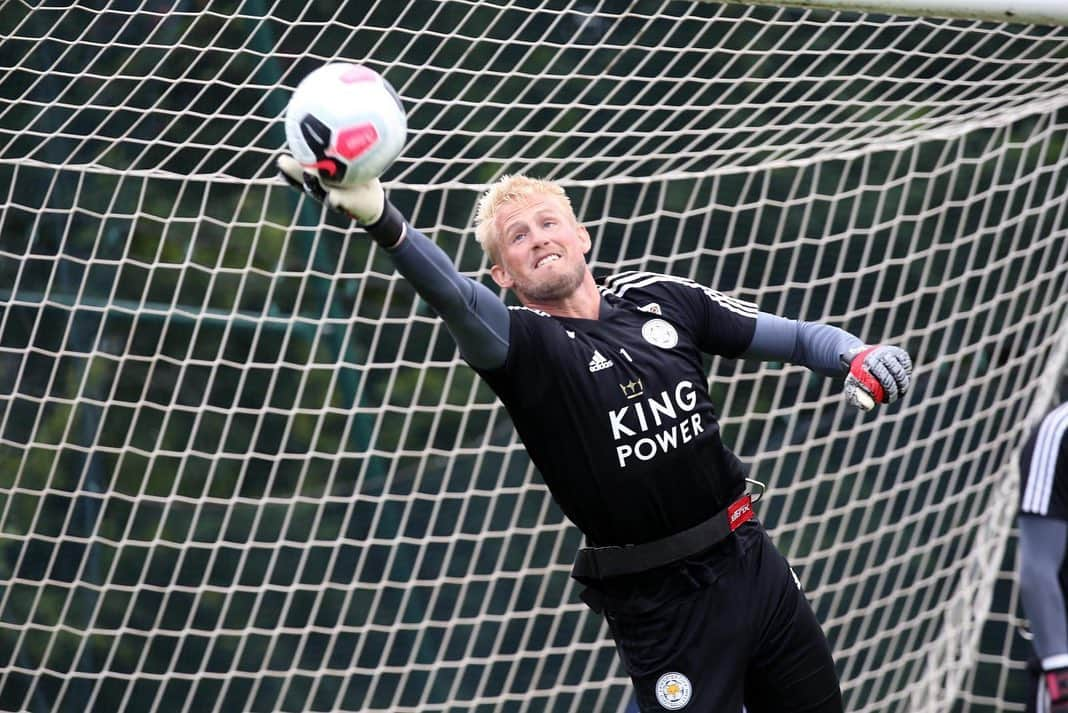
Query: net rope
243, 467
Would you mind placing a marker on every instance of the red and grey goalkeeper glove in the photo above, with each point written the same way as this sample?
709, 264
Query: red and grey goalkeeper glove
877, 374
1057, 686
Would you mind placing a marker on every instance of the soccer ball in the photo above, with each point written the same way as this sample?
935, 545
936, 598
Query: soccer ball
345, 122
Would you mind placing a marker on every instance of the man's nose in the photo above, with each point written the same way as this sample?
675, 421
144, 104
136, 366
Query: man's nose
540, 236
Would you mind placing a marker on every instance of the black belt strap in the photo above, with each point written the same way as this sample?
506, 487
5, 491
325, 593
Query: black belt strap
613, 561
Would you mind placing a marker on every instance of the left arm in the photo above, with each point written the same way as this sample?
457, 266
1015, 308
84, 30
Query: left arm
819, 347
733, 328
874, 374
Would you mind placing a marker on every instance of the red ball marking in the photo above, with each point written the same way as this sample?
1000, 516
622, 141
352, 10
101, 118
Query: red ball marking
354, 141
358, 73
327, 165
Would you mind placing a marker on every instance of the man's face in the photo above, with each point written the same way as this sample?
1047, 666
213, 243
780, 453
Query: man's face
540, 250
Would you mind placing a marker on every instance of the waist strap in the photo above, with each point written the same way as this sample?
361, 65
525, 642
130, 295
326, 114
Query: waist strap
613, 561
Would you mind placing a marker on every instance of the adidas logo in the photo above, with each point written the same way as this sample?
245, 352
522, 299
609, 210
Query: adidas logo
652, 308
598, 362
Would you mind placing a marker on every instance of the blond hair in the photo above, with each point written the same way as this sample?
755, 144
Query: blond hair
511, 189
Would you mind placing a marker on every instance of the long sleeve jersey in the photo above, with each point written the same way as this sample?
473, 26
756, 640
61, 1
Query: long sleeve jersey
615, 412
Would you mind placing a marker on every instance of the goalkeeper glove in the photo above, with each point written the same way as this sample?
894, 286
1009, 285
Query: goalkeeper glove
365, 203
1057, 685
877, 374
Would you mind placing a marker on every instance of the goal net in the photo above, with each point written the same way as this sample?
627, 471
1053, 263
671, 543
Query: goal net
243, 468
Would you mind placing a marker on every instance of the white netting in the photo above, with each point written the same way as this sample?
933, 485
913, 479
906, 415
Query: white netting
241, 466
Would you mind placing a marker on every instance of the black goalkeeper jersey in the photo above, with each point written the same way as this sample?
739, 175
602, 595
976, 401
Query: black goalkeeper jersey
615, 412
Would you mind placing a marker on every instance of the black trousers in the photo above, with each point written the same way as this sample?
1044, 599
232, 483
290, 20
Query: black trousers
727, 627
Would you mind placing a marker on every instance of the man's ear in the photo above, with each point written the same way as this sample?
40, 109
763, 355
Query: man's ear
587, 241
501, 277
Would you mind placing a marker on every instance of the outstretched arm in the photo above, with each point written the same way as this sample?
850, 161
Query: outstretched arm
873, 374
476, 318
817, 346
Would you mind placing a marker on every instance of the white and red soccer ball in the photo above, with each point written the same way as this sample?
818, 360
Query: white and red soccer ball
346, 123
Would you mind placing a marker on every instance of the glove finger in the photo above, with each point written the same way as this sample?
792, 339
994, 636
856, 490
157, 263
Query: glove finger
904, 381
899, 373
295, 175
901, 357
900, 366
313, 187
906, 360
291, 171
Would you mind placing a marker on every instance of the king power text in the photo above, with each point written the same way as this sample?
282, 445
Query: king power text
656, 424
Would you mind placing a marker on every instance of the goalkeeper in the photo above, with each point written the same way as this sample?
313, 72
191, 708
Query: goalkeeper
1043, 575
606, 388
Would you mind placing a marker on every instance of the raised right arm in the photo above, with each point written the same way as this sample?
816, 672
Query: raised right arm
475, 317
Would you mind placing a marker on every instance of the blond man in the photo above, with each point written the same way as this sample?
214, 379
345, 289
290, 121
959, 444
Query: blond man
605, 386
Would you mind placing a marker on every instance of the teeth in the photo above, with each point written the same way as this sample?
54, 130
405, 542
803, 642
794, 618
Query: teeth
547, 259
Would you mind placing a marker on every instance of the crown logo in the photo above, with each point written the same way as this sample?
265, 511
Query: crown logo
633, 389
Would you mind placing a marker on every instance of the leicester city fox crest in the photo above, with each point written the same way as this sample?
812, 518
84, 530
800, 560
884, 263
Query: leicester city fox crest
660, 333
673, 691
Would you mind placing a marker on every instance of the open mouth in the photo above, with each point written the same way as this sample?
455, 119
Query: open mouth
547, 260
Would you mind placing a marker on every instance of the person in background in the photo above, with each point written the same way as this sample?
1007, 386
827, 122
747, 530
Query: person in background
1043, 567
